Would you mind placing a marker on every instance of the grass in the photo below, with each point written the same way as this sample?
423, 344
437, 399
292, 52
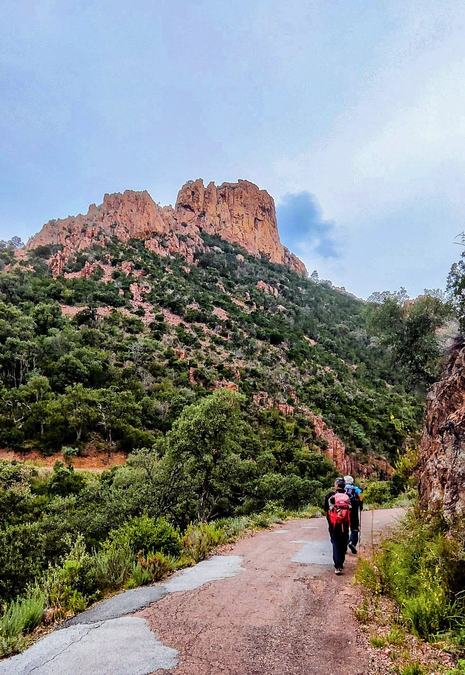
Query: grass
19, 618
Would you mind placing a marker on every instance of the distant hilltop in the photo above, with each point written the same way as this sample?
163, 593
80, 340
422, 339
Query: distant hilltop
239, 213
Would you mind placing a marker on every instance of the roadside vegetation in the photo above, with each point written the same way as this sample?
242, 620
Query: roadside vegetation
68, 538
414, 603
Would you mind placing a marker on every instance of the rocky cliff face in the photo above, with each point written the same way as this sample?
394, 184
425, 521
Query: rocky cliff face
239, 212
442, 450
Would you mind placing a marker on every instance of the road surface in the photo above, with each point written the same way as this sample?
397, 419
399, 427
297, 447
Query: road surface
270, 605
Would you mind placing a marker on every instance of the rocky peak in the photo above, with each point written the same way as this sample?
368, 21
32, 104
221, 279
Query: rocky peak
239, 212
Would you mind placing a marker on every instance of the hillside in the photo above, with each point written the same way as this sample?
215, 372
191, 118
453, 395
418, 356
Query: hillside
107, 333
236, 386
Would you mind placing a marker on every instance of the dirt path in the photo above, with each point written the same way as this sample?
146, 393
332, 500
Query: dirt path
286, 613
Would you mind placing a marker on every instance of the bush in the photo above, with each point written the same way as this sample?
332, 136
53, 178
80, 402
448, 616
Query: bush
200, 538
69, 587
157, 565
140, 576
22, 557
113, 564
144, 534
378, 492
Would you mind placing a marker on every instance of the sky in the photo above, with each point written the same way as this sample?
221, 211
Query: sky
350, 113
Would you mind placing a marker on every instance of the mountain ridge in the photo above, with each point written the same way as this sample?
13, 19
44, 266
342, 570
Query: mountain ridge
239, 213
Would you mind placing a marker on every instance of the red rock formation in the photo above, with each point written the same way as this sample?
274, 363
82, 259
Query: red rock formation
442, 448
267, 288
240, 213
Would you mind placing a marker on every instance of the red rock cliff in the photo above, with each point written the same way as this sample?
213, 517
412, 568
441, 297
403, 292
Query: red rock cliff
240, 213
442, 449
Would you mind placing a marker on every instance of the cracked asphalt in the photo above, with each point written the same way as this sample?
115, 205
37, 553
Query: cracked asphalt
270, 606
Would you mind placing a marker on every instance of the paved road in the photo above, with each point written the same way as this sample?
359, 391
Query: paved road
271, 605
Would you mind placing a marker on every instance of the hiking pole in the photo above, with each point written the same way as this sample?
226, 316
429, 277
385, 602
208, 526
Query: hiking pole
372, 536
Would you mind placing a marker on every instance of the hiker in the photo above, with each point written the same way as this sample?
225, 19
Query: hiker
355, 496
337, 508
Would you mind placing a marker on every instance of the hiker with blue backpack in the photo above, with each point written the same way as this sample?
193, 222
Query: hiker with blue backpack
356, 502
337, 507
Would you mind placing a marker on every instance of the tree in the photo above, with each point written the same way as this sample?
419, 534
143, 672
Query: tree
408, 331
202, 450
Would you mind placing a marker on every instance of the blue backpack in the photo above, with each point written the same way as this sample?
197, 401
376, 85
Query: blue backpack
352, 491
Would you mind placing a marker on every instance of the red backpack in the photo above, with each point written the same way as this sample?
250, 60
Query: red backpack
339, 509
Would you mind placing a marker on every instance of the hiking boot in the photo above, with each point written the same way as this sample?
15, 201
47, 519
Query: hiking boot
338, 570
353, 549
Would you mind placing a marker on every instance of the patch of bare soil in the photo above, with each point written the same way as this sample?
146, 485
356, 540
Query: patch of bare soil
90, 461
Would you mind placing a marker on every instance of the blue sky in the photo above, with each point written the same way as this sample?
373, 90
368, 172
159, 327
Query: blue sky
350, 113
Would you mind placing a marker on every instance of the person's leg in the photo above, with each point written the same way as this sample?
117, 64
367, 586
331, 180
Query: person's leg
343, 541
353, 540
336, 542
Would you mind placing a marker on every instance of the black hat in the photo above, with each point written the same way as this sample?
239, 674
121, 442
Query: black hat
340, 483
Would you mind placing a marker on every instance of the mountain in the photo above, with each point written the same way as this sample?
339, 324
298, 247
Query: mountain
113, 322
239, 213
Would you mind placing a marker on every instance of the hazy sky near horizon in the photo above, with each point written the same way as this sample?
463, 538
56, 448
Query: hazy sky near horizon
350, 113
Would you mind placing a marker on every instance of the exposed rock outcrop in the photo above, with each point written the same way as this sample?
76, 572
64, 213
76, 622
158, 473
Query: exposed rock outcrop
442, 448
239, 212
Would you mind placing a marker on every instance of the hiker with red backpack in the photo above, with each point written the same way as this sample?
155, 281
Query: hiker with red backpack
337, 508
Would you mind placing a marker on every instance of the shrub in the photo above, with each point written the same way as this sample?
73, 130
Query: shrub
200, 538
233, 527
22, 557
70, 586
144, 534
378, 492
140, 576
113, 564
157, 565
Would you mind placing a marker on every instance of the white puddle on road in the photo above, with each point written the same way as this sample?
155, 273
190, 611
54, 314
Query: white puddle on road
118, 646
279, 531
314, 553
216, 567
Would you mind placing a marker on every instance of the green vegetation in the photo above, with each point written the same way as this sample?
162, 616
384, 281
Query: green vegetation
81, 576
422, 568
106, 379
211, 464
408, 332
